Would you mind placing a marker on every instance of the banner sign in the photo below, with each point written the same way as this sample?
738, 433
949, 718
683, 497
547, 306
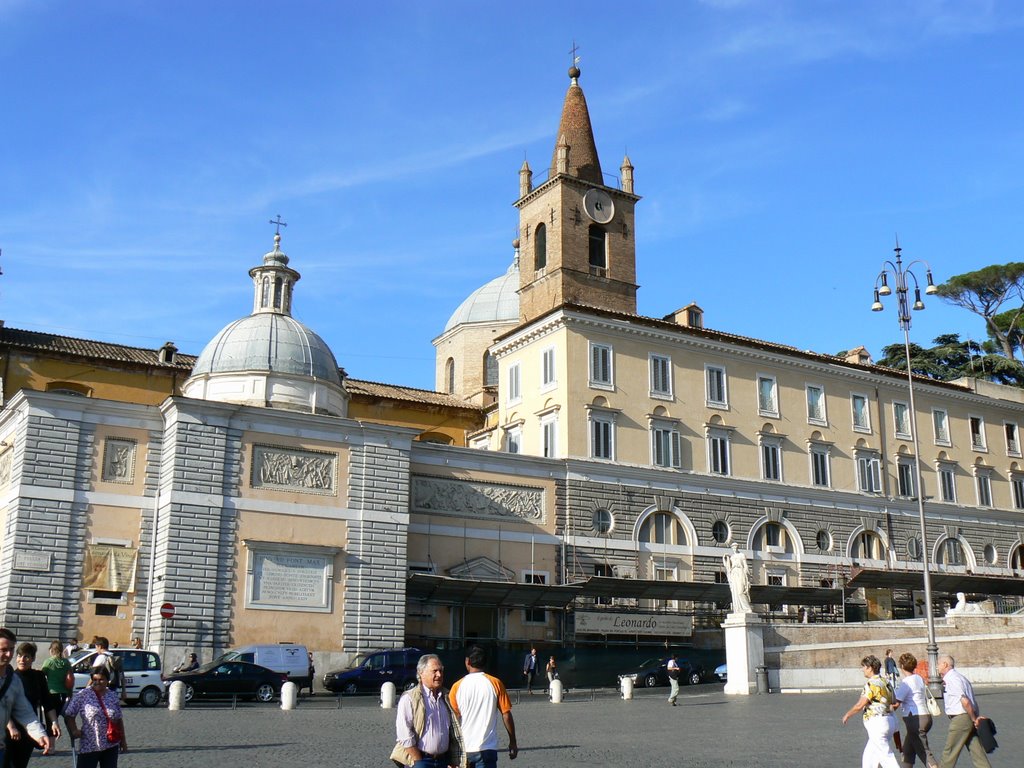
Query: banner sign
663, 624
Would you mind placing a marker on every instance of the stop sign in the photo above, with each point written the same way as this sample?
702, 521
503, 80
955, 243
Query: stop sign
167, 610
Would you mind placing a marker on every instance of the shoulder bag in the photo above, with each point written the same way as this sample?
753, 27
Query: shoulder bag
933, 706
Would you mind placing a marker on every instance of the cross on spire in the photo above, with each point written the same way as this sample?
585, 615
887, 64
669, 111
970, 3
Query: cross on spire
575, 58
277, 225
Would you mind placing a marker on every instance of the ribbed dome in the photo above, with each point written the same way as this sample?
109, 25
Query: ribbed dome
268, 342
495, 302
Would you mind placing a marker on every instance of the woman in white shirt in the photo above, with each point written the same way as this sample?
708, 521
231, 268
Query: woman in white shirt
910, 694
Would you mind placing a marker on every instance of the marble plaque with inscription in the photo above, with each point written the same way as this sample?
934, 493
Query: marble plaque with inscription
282, 580
288, 469
435, 494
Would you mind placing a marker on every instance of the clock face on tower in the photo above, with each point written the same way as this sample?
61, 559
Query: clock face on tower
598, 206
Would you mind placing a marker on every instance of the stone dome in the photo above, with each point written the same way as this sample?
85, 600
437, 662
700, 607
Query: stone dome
494, 302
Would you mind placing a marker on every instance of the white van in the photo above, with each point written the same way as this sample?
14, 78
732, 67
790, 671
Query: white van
141, 670
287, 658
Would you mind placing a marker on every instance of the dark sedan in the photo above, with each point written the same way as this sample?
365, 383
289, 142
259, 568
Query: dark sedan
224, 679
654, 672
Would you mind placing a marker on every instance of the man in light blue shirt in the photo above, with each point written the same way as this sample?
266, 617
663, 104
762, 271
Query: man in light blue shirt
962, 709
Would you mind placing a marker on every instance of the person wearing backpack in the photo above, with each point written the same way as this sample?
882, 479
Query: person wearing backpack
115, 672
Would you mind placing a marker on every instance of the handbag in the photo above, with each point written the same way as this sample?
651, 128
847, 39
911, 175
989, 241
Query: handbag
933, 706
115, 728
400, 757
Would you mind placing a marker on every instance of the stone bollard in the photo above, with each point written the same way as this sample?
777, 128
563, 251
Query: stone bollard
176, 696
626, 683
387, 696
555, 691
289, 694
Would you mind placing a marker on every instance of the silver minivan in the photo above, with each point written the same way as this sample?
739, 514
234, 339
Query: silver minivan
142, 681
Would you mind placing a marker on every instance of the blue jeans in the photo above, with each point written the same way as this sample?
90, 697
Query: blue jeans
431, 762
487, 758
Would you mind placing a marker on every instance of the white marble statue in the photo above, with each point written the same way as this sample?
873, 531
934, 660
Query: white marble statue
739, 579
963, 607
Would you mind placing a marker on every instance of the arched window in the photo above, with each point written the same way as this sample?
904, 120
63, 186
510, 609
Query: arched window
490, 370
265, 293
598, 251
662, 528
449, 376
286, 298
951, 552
68, 388
540, 247
868, 546
277, 293
1017, 558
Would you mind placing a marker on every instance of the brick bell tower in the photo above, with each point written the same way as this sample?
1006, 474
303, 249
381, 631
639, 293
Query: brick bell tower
576, 228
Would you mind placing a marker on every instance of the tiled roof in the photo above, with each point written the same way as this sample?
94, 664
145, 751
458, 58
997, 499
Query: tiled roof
407, 394
579, 135
87, 348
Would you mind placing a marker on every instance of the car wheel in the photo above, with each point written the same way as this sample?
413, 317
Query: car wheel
350, 688
694, 678
265, 693
651, 681
190, 692
149, 697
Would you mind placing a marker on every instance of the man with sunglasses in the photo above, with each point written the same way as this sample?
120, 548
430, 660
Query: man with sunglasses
13, 703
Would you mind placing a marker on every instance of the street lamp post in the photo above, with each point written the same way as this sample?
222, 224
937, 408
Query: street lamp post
900, 275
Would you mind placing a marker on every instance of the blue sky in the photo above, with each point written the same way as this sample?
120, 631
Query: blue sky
779, 147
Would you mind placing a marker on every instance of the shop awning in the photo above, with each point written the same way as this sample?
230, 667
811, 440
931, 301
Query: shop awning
444, 589
948, 583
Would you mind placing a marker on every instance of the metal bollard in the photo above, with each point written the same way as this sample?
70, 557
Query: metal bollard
387, 696
626, 685
761, 676
176, 696
555, 691
289, 695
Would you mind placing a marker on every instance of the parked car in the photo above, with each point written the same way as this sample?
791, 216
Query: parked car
722, 672
141, 671
369, 671
287, 658
223, 679
654, 672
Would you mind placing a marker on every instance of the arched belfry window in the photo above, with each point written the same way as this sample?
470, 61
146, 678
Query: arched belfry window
540, 247
490, 370
598, 252
449, 376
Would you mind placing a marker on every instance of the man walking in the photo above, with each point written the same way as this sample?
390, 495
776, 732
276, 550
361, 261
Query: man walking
962, 709
673, 679
424, 724
476, 700
13, 704
530, 669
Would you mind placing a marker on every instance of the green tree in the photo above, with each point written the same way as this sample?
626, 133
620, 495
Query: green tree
984, 292
952, 358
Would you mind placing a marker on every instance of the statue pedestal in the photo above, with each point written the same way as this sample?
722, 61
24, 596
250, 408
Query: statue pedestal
744, 652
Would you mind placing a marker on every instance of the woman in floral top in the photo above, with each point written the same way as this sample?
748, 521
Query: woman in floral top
95, 751
876, 702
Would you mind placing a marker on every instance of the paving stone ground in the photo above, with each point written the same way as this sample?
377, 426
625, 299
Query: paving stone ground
708, 729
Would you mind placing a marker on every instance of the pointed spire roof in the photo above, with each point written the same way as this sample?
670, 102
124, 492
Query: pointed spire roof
576, 131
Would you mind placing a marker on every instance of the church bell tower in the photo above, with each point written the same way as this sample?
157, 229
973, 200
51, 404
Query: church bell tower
576, 228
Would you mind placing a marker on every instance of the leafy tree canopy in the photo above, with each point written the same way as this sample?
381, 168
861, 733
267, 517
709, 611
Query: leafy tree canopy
984, 292
950, 358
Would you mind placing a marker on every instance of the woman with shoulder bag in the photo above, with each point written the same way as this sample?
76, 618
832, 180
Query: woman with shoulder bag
102, 732
912, 696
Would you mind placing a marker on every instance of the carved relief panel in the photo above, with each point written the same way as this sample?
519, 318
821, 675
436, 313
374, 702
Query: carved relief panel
118, 460
460, 497
289, 469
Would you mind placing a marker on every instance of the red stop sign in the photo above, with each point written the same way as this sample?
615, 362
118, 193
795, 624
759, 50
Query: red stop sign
167, 610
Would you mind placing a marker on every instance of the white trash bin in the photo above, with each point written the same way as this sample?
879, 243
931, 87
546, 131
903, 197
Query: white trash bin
626, 685
555, 691
387, 696
289, 694
176, 696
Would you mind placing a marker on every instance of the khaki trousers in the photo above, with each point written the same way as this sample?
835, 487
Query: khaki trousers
963, 734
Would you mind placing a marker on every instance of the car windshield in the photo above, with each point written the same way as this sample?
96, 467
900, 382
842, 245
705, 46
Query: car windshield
229, 656
653, 662
359, 660
211, 665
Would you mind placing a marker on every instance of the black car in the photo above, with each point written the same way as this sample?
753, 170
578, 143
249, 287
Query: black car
654, 672
369, 671
223, 679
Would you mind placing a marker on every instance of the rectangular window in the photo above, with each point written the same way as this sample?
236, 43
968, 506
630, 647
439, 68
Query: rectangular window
549, 437
661, 376
978, 433
947, 483
816, 404
535, 615
718, 453
548, 367
861, 415
901, 419
940, 426
767, 397
665, 447
515, 392
602, 435
771, 460
905, 479
600, 366
602, 569
514, 440
664, 574
819, 466
984, 490
1018, 492
1012, 443
869, 474
715, 393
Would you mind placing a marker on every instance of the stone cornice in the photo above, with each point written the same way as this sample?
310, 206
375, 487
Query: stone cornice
574, 181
